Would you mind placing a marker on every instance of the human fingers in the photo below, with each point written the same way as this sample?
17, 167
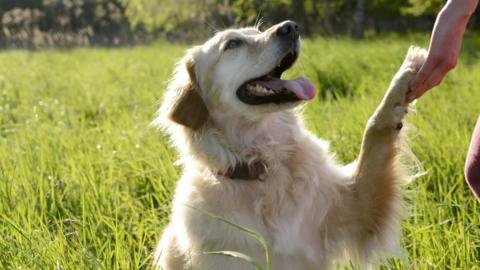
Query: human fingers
433, 80
417, 84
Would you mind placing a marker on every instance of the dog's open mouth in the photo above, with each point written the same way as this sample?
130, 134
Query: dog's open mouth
270, 88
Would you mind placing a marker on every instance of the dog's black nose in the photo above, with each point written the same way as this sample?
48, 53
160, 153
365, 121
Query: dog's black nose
288, 29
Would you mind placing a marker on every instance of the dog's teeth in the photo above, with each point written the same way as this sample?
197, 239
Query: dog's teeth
260, 90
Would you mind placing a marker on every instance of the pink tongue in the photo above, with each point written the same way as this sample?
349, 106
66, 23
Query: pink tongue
301, 86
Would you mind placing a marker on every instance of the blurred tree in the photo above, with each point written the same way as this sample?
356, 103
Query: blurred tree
387, 9
422, 7
328, 17
358, 19
29, 23
113, 21
299, 11
164, 14
183, 17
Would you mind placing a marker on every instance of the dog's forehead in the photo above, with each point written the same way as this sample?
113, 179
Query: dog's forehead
247, 31
239, 33
231, 34
250, 31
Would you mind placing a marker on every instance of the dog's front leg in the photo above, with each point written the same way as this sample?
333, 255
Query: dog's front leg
376, 190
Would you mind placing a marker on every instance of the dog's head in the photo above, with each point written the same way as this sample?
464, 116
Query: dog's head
237, 73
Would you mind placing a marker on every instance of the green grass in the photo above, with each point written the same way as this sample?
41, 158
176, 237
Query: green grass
85, 183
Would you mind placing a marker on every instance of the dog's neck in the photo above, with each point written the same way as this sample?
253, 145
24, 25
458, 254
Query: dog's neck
227, 143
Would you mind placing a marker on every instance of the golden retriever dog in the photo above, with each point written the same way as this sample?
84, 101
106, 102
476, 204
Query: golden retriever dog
248, 158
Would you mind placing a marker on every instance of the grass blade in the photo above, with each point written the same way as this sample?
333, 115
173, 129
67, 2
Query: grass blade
248, 231
237, 255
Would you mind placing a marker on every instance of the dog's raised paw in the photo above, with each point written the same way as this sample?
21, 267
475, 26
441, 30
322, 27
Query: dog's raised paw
394, 106
414, 59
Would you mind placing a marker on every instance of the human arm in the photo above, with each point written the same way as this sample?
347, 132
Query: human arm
472, 163
445, 45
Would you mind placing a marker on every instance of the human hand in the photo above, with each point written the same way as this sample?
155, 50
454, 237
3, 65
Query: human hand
445, 46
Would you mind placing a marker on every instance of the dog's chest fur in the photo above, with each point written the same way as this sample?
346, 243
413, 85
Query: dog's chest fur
289, 208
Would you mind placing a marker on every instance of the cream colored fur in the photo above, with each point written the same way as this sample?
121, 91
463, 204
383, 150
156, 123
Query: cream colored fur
311, 210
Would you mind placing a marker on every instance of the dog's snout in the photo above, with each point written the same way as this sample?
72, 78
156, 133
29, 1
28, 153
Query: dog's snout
288, 29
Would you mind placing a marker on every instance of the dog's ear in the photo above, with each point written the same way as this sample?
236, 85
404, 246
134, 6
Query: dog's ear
188, 108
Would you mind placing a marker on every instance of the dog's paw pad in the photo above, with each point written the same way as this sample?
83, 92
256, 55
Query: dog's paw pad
399, 126
399, 109
399, 112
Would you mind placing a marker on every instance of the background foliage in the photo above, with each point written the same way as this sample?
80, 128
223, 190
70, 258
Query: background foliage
39, 23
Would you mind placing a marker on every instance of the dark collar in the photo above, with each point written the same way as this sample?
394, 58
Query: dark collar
245, 171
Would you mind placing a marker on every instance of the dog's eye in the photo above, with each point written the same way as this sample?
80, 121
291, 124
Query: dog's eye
233, 43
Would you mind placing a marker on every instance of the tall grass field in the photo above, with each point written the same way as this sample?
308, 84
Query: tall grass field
86, 183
